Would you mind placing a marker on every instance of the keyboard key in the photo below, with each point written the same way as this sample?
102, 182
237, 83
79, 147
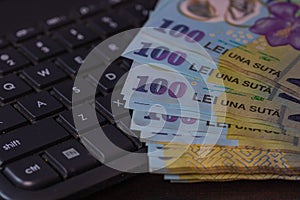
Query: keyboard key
76, 35
56, 22
23, 34
31, 173
66, 89
72, 61
84, 119
11, 60
112, 108
137, 12
118, 138
115, 136
124, 125
30, 138
3, 42
150, 5
109, 78
114, 2
12, 87
88, 10
112, 49
44, 75
39, 105
110, 24
10, 119
70, 158
42, 48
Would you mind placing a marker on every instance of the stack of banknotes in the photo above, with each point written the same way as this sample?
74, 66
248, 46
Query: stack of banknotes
215, 89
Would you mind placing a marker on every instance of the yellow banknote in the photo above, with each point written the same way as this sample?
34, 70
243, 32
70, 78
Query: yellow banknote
216, 159
180, 126
270, 64
242, 134
290, 81
241, 142
244, 141
193, 178
259, 41
238, 81
192, 97
251, 110
239, 124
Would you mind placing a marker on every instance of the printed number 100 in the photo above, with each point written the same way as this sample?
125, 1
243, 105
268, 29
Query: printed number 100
161, 53
160, 86
181, 30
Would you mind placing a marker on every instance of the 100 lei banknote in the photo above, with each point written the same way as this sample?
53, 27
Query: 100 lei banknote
143, 92
271, 142
169, 126
218, 90
261, 41
145, 49
204, 70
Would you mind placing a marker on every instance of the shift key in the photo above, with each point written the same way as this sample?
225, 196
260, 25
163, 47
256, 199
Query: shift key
28, 139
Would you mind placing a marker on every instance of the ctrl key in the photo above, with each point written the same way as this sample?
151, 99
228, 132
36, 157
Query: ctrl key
31, 173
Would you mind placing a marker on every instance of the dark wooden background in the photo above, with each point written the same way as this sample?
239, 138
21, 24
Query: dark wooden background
149, 186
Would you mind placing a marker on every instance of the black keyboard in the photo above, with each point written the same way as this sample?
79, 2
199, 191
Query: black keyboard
41, 156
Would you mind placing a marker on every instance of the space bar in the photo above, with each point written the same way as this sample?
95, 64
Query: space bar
24, 140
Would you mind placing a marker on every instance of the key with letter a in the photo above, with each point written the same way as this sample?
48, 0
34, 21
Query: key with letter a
39, 105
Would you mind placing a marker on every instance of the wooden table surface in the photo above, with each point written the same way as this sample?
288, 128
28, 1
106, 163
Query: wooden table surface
149, 186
